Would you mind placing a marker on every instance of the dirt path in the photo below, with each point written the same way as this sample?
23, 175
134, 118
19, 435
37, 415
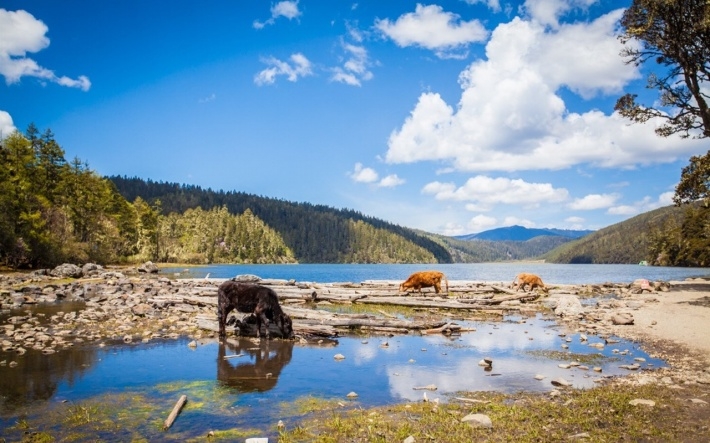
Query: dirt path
675, 323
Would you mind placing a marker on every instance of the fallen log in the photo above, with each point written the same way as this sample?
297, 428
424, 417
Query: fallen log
412, 302
526, 297
176, 410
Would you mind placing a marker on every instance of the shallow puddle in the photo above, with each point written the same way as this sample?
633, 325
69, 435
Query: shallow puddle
244, 387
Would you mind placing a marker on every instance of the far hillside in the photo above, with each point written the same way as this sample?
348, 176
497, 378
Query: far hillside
482, 251
629, 242
521, 233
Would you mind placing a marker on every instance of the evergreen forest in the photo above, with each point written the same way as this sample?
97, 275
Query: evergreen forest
55, 211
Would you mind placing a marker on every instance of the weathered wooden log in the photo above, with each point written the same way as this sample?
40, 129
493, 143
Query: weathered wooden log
526, 297
431, 303
176, 410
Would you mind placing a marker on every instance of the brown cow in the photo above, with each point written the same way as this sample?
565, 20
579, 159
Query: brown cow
530, 280
425, 279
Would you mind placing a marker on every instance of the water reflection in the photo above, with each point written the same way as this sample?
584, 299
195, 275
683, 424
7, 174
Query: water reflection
258, 369
37, 376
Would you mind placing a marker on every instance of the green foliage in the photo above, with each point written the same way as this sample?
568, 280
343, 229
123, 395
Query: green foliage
315, 233
216, 236
53, 212
674, 36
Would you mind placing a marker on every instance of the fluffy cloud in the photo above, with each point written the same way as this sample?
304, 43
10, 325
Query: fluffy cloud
287, 9
486, 191
431, 28
594, 201
391, 181
493, 4
6, 125
511, 115
21, 33
355, 69
548, 12
363, 175
300, 66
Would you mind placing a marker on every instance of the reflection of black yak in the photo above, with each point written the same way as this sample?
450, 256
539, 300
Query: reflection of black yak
252, 299
261, 372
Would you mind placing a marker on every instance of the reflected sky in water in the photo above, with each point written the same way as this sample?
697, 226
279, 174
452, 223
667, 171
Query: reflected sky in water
379, 369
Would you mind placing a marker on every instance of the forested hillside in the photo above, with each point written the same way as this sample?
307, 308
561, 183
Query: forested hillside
482, 251
53, 211
644, 237
315, 233
521, 233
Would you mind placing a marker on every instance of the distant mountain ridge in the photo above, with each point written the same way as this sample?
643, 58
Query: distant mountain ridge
521, 233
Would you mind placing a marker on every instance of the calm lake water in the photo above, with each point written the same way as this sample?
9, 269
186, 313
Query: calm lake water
502, 272
143, 381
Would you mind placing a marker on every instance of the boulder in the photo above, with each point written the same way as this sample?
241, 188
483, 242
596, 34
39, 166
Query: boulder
67, 270
247, 278
148, 267
91, 269
622, 318
568, 305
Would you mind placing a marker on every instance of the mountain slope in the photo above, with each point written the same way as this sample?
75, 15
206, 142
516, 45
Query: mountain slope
520, 233
625, 242
315, 233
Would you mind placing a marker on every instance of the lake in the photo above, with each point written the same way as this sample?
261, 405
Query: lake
134, 386
490, 272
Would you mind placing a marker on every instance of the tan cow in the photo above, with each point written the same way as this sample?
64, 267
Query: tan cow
530, 280
424, 279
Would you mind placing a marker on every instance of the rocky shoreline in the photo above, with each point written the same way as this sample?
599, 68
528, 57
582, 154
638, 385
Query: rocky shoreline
139, 305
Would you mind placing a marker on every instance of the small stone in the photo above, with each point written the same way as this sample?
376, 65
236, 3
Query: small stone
192, 344
697, 401
640, 401
560, 382
478, 420
539, 377
563, 366
339, 357
409, 439
352, 394
579, 436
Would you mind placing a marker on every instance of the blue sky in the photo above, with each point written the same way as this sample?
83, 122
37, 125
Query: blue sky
453, 116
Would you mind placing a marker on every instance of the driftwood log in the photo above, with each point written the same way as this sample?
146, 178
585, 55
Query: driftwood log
301, 300
176, 410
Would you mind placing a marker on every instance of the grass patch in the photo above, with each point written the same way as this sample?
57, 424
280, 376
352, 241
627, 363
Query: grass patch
308, 405
601, 414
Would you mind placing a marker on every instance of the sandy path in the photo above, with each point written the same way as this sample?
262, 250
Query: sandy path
681, 316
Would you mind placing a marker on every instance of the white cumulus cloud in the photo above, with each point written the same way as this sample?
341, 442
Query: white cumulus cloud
391, 181
594, 201
432, 28
511, 115
6, 125
362, 174
286, 9
299, 66
21, 33
486, 191
355, 68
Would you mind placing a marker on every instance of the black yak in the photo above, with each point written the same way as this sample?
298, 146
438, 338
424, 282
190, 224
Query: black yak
252, 299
